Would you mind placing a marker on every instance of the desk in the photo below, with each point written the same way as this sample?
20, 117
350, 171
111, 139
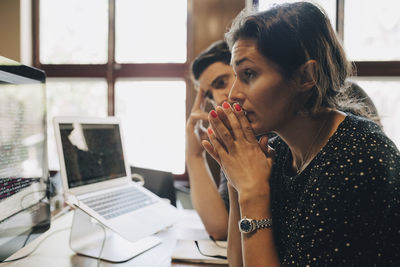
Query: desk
55, 250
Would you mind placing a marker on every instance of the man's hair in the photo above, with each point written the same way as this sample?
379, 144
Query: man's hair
216, 52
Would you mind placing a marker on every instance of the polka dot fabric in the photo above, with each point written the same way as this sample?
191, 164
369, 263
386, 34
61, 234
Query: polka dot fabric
343, 209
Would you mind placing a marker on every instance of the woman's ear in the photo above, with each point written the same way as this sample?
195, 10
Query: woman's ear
308, 75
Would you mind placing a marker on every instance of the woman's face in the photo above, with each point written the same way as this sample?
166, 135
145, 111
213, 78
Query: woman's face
266, 96
216, 81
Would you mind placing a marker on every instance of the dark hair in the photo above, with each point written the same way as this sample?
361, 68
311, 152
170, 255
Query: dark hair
216, 52
291, 34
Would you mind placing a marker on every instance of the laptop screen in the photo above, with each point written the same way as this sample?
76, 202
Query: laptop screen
92, 153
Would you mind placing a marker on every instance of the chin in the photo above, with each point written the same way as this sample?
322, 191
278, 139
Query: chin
256, 129
259, 130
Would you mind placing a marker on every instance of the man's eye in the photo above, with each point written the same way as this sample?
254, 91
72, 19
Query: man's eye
220, 84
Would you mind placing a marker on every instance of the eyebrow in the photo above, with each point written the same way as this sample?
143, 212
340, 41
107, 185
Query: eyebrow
240, 61
217, 78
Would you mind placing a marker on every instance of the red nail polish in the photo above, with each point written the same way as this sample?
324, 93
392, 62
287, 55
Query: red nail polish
226, 105
213, 114
210, 131
238, 107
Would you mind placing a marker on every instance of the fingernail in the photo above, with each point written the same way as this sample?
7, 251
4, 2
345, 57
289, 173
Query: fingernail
210, 131
225, 105
237, 107
213, 114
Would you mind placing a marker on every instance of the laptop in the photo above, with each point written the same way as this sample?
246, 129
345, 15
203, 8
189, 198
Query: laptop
97, 178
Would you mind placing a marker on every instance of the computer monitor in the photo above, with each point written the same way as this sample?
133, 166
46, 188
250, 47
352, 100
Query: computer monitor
24, 205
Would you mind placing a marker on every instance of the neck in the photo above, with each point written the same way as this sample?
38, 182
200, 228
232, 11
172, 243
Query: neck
306, 135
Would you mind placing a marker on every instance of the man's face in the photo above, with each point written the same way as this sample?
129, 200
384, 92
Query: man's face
216, 82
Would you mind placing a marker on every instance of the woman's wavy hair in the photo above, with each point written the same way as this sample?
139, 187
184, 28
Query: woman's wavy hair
291, 34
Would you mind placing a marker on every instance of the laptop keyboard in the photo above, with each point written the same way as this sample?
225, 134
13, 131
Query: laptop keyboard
118, 202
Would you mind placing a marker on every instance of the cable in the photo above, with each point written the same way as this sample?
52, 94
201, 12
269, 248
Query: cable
27, 208
31, 193
61, 212
102, 245
37, 246
104, 236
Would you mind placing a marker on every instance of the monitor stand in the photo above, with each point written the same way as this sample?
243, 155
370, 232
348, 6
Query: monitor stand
87, 236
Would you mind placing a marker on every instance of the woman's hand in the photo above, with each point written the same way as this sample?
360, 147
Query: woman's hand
246, 163
195, 132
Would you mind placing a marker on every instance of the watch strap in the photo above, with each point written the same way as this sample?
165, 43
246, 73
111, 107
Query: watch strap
247, 225
263, 223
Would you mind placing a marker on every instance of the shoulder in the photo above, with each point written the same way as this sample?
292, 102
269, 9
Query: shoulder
362, 158
360, 138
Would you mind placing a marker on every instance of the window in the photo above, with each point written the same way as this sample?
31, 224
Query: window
328, 5
386, 103
371, 36
118, 57
161, 37
69, 35
73, 97
376, 39
151, 110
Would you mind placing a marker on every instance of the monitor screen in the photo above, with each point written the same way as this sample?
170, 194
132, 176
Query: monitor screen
24, 207
92, 152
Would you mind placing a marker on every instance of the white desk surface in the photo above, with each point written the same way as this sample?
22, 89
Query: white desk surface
55, 250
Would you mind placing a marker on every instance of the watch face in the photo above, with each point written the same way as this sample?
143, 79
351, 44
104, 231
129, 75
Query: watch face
245, 225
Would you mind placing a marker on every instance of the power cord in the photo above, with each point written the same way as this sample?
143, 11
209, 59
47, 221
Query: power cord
102, 245
66, 209
57, 231
104, 236
23, 209
37, 246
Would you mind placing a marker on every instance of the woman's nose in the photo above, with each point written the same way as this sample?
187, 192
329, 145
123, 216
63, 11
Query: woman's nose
235, 96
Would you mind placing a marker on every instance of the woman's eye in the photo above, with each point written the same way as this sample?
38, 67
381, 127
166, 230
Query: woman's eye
249, 74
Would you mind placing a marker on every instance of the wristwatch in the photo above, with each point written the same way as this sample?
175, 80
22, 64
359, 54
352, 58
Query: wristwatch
247, 225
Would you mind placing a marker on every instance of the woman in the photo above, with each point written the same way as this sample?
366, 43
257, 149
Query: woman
325, 192
213, 78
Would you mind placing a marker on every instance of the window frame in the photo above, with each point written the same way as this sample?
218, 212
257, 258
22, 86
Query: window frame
111, 71
362, 68
366, 68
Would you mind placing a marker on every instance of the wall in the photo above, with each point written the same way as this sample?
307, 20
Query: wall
10, 29
210, 20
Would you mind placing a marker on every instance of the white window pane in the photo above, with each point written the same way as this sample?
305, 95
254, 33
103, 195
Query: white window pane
372, 30
153, 122
385, 93
72, 97
328, 5
151, 31
73, 31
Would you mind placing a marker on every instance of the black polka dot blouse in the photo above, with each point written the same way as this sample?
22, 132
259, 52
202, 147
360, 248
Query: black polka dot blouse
344, 208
